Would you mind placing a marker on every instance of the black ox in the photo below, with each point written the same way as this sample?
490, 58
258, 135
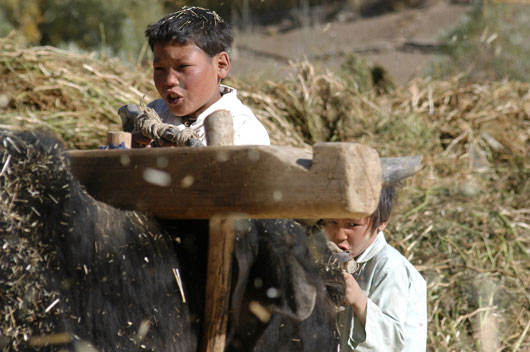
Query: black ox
80, 275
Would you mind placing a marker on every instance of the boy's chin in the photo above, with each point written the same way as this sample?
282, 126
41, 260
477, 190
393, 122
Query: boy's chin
180, 112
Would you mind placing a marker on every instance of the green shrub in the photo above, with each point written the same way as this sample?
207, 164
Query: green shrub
491, 44
363, 77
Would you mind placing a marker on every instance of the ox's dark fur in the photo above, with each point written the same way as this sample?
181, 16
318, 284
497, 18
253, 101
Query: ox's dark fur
274, 268
112, 271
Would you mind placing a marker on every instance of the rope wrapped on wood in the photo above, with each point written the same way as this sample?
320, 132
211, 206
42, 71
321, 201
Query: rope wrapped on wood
146, 121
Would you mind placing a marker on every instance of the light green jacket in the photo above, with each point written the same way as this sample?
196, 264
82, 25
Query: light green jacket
396, 317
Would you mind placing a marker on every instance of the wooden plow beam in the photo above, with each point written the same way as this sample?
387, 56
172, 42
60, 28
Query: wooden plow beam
336, 180
220, 183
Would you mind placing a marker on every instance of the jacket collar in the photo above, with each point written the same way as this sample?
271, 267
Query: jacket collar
373, 249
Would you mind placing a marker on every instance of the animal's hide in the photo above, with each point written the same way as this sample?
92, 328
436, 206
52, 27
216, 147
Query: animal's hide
76, 268
276, 271
73, 269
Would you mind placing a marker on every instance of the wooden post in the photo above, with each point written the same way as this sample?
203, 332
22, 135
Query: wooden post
220, 250
219, 128
219, 131
117, 137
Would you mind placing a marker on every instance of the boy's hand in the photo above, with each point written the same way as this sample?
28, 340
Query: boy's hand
142, 122
140, 141
355, 297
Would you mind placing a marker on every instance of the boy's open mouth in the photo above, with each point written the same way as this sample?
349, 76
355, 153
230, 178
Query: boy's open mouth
173, 98
344, 247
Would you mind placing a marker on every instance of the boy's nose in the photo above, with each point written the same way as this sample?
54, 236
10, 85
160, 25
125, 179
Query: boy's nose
172, 78
340, 234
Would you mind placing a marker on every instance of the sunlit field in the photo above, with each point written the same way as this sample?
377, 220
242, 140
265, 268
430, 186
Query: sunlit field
463, 220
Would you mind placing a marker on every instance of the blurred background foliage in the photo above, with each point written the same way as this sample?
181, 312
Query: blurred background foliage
491, 44
109, 27
116, 28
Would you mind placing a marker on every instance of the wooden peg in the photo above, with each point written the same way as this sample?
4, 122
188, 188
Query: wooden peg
117, 137
219, 128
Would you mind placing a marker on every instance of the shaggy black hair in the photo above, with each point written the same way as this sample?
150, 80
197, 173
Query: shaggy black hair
192, 25
384, 208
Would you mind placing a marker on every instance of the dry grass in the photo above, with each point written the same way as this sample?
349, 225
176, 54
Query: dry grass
73, 96
464, 220
489, 44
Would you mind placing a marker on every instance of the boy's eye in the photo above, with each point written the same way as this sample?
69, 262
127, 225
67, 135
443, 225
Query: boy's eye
352, 224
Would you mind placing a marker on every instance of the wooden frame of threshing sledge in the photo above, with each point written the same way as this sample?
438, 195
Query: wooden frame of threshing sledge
223, 182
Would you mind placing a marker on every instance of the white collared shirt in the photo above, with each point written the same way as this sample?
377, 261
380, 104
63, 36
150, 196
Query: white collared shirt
247, 128
396, 318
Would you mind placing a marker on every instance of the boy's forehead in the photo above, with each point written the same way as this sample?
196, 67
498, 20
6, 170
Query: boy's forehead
176, 50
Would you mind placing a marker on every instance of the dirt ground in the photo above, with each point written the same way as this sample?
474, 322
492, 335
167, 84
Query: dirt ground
404, 42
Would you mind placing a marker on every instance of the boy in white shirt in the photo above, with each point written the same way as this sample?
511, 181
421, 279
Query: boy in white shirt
386, 297
190, 59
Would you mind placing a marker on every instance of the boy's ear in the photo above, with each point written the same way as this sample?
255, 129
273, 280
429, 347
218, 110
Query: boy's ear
222, 61
381, 226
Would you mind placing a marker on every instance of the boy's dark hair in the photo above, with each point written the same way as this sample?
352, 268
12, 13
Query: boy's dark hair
384, 208
192, 25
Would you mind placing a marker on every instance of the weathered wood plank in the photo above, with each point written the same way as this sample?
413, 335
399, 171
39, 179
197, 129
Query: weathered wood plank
336, 180
219, 129
220, 249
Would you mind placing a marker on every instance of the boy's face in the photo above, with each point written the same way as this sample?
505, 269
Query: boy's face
187, 78
352, 235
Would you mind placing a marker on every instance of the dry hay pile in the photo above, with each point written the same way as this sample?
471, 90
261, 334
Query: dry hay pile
466, 224
75, 96
464, 220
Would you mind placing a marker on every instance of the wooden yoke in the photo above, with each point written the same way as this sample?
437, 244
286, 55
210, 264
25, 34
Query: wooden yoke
256, 181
